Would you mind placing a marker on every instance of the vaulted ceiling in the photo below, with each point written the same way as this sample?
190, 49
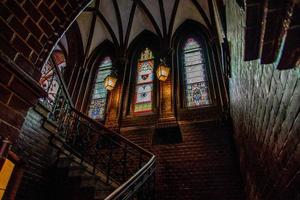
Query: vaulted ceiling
120, 21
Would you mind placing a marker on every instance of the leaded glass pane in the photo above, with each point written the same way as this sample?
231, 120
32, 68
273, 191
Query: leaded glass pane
59, 59
99, 93
97, 108
195, 75
145, 72
144, 82
144, 93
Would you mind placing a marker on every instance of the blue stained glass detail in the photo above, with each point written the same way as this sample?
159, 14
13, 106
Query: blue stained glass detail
99, 93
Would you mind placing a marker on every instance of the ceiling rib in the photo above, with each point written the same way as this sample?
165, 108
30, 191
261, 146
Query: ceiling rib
173, 15
202, 13
132, 11
91, 34
89, 9
163, 17
119, 21
106, 24
147, 12
122, 40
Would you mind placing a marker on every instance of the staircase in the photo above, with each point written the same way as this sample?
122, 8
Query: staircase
92, 161
95, 163
70, 180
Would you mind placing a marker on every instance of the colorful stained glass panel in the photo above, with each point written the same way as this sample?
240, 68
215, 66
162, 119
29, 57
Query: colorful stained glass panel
97, 108
145, 72
59, 59
144, 93
144, 82
195, 75
99, 93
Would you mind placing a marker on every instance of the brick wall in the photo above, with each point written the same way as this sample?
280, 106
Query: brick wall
29, 30
15, 99
265, 105
33, 146
202, 166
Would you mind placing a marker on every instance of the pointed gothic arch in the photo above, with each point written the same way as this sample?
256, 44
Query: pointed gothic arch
145, 40
93, 68
207, 60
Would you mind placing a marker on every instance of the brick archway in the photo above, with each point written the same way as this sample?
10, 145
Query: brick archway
29, 31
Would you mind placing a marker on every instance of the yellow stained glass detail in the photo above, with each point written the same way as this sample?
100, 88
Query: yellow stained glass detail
146, 55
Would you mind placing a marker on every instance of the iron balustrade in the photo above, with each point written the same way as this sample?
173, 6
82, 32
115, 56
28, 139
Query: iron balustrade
109, 153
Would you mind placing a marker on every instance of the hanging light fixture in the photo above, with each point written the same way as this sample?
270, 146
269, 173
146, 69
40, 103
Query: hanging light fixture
162, 71
110, 81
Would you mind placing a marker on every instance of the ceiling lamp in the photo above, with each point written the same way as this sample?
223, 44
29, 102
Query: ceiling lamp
110, 82
162, 71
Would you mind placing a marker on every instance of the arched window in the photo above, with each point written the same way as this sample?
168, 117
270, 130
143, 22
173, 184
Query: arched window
143, 98
99, 93
196, 88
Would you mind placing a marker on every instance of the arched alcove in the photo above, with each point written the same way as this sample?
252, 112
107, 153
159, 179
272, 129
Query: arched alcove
214, 83
145, 40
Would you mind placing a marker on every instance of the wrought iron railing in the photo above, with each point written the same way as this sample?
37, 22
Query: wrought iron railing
109, 153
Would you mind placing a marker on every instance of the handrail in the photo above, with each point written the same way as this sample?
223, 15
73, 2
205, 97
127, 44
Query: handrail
129, 183
118, 149
64, 87
107, 129
90, 140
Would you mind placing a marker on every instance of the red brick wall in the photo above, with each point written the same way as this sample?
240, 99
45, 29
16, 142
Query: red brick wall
33, 145
29, 30
15, 99
202, 166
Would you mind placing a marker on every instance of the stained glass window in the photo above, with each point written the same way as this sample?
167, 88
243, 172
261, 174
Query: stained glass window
49, 80
144, 82
99, 93
195, 75
59, 59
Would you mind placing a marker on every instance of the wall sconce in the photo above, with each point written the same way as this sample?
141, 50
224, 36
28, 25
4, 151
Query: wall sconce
162, 71
110, 82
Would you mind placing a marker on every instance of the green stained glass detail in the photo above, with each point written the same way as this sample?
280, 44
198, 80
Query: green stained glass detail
99, 93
